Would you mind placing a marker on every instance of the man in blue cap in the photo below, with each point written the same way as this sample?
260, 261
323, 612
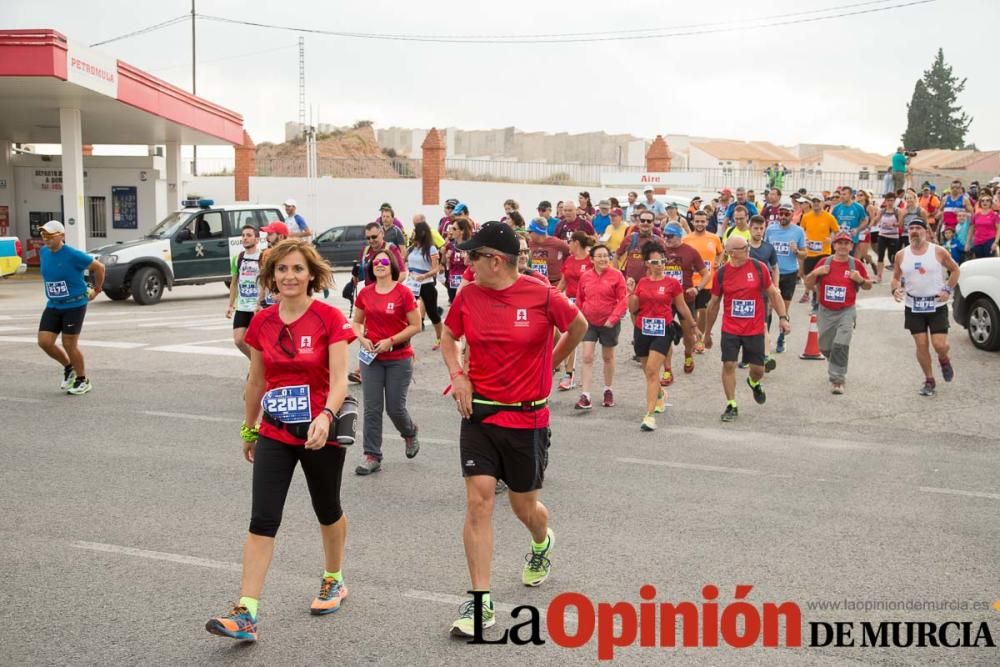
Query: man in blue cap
547, 252
682, 262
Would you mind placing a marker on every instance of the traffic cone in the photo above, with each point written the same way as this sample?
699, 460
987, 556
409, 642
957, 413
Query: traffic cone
812, 342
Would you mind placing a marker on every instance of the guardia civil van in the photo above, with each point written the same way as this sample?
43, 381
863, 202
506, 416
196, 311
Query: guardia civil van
195, 245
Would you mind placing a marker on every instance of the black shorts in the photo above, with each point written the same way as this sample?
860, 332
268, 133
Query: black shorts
811, 263
753, 348
68, 322
515, 455
606, 336
786, 285
642, 344
921, 323
701, 301
241, 319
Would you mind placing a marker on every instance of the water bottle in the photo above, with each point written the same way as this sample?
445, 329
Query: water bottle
347, 421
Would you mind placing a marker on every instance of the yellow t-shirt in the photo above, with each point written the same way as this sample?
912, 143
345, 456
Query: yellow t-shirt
613, 237
709, 246
818, 228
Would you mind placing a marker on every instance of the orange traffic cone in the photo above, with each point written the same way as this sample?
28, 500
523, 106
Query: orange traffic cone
812, 342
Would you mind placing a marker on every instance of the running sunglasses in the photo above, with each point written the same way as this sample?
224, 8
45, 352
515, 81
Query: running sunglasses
372, 238
645, 221
381, 261
475, 254
656, 262
289, 348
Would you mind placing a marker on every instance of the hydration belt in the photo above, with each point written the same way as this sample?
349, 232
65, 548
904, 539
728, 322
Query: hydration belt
483, 407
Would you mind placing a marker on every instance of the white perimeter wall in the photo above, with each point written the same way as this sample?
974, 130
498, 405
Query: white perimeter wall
343, 201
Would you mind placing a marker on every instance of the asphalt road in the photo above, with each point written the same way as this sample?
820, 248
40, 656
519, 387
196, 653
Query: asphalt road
124, 510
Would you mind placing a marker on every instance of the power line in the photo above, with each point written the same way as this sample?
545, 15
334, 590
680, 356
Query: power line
219, 60
141, 31
566, 38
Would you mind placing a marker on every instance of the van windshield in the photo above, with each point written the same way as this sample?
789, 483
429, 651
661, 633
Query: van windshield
169, 225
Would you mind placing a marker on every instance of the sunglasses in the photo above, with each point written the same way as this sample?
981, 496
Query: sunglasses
372, 238
289, 347
381, 261
475, 254
644, 221
656, 262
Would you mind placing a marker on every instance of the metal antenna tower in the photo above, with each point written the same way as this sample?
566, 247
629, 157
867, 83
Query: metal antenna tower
302, 85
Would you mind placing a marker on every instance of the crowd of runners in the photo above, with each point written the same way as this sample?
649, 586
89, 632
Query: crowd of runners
530, 297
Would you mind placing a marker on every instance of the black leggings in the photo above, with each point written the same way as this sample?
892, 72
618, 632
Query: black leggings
429, 295
273, 466
887, 245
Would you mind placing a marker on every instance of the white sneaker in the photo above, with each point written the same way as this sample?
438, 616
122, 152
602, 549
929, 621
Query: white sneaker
80, 387
68, 378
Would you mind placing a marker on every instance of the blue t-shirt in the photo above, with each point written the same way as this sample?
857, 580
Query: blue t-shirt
850, 217
780, 237
600, 223
899, 161
300, 221
553, 223
751, 210
62, 275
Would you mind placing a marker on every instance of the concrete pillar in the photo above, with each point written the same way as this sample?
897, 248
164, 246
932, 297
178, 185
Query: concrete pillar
246, 166
71, 136
658, 159
433, 167
7, 198
175, 186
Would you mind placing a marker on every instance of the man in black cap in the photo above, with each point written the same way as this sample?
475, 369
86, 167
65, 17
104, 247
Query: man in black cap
449, 207
507, 320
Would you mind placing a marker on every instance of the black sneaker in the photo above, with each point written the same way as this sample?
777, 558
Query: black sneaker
947, 371
769, 364
731, 413
928, 389
758, 392
354, 377
412, 444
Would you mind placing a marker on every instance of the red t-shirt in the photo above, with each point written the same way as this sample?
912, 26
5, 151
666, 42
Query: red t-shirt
385, 315
682, 262
311, 336
509, 334
742, 291
836, 290
656, 298
457, 265
634, 266
546, 257
572, 269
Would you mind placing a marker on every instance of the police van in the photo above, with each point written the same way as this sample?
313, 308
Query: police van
195, 245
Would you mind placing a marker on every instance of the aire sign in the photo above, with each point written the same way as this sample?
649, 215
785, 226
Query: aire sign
657, 179
91, 69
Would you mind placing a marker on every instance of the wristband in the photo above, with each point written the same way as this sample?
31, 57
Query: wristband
456, 374
947, 288
329, 413
248, 434
782, 317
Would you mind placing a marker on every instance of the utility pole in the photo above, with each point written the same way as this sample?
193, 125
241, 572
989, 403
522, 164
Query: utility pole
194, 80
302, 85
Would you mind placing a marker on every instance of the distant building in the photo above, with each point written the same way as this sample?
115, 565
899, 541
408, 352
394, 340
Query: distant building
293, 129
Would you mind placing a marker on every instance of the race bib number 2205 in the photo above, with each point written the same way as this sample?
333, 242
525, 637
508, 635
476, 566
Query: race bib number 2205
289, 405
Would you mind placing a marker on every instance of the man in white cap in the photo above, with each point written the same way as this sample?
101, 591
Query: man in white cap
68, 295
297, 227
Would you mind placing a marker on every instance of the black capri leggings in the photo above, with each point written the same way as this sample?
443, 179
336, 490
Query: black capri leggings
273, 466
429, 295
889, 245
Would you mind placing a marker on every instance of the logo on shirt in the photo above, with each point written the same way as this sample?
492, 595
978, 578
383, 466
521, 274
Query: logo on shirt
662, 289
390, 307
305, 344
749, 277
521, 318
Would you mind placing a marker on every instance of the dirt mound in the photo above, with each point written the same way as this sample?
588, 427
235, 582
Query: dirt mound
351, 153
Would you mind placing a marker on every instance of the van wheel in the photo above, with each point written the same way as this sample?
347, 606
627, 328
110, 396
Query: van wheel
984, 324
117, 294
147, 286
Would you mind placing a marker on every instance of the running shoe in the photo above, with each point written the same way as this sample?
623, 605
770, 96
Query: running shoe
660, 408
689, 364
758, 392
354, 377
436, 346
584, 403
699, 348
465, 626
369, 465
331, 594
804, 298
80, 386
501, 486
567, 383
838, 388
781, 344
609, 399
769, 364
947, 371
537, 568
648, 423
69, 376
412, 444
238, 624
928, 389
742, 364
731, 413
667, 379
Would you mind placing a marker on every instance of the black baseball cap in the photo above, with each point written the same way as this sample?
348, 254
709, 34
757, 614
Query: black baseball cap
496, 235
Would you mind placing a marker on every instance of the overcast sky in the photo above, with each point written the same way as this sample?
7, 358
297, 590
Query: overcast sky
845, 80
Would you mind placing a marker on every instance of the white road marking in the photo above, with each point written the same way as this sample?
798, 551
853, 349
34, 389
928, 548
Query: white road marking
436, 441
956, 492
217, 327
157, 555
8, 329
194, 349
85, 344
181, 415
13, 399
181, 325
691, 466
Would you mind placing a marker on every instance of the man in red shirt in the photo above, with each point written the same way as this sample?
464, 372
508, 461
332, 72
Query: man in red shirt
740, 286
547, 252
507, 320
683, 262
571, 222
629, 253
837, 280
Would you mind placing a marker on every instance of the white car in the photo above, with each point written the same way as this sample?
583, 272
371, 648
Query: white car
976, 302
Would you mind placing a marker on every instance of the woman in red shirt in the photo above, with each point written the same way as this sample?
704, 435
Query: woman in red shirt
602, 298
652, 302
573, 266
456, 261
298, 374
385, 318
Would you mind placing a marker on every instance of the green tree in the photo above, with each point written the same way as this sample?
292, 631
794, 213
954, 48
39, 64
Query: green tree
934, 118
